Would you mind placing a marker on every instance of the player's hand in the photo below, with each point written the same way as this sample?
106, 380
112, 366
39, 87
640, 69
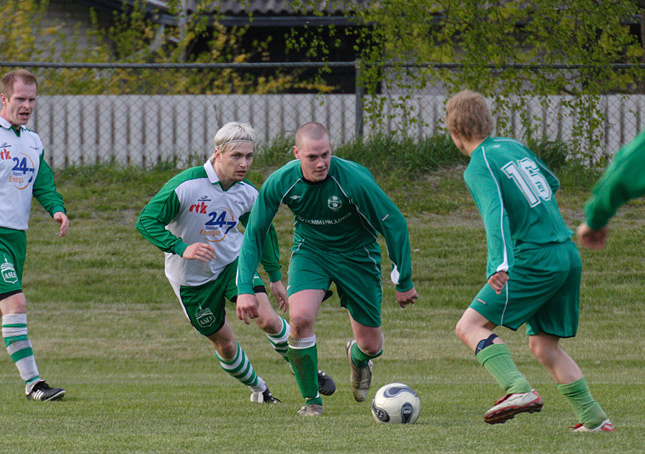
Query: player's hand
591, 238
247, 306
203, 252
63, 220
407, 297
280, 295
498, 281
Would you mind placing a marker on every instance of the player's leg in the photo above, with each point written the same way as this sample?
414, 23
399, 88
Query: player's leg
204, 306
558, 318
367, 345
13, 308
14, 331
570, 380
234, 362
277, 330
475, 330
303, 352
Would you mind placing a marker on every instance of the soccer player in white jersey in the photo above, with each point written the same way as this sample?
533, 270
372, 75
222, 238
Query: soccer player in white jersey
195, 220
533, 269
24, 173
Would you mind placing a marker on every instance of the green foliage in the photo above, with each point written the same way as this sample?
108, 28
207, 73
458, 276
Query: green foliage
134, 37
506, 50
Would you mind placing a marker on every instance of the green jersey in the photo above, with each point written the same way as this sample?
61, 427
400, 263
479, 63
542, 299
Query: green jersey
515, 194
623, 180
343, 213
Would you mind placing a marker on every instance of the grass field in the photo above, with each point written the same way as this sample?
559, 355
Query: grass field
106, 325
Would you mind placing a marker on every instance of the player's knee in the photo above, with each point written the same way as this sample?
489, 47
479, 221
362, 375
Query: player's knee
461, 330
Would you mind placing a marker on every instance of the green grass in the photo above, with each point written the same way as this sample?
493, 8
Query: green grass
106, 325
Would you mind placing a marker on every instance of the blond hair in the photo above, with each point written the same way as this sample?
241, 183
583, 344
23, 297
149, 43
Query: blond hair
8, 80
231, 134
468, 116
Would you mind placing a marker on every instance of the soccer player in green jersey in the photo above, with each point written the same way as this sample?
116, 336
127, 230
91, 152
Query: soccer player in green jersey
339, 210
533, 268
24, 174
195, 220
622, 181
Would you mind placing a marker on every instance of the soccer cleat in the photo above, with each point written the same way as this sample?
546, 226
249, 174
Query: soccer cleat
326, 385
311, 410
361, 377
511, 404
42, 391
605, 426
264, 397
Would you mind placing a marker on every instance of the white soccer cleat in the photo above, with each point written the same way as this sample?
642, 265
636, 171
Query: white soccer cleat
512, 404
264, 397
605, 426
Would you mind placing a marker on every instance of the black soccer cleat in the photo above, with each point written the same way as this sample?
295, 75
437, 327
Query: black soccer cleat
326, 385
43, 392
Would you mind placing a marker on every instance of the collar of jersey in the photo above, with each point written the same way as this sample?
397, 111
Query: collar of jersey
5, 124
212, 175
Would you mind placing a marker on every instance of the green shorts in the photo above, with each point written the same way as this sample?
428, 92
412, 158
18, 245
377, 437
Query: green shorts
204, 305
13, 251
357, 275
543, 291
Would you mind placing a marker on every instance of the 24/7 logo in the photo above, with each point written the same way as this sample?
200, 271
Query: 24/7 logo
22, 172
220, 222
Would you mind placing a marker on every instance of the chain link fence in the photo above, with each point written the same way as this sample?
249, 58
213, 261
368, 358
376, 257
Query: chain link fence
143, 114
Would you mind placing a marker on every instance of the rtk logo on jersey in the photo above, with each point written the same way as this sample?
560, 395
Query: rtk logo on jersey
8, 272
334, 203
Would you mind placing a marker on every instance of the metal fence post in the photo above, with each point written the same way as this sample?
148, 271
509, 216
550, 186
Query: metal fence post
360, 94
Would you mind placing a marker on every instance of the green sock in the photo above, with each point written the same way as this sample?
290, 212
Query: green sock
498, 362
359, 358
303, 355
587, 410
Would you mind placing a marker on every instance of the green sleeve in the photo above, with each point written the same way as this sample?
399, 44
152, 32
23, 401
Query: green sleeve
386, 218
256, 235
622, 181
156, 215
486, 192
271, 252
45, 189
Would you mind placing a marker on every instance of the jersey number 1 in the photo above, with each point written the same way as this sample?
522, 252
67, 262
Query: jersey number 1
528, 178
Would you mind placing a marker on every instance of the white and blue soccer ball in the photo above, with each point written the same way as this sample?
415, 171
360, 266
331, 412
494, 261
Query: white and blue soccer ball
396, 403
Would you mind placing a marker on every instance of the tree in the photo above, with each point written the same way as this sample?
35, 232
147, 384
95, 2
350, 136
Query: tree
504, 49
134, 37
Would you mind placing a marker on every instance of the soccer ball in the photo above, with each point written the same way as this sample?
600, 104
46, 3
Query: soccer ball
396, 403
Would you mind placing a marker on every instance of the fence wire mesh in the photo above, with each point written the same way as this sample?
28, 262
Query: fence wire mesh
143, 114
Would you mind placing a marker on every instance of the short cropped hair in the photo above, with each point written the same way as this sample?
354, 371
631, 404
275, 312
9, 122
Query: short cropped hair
468, 116
8, 80
232, 134
311, 130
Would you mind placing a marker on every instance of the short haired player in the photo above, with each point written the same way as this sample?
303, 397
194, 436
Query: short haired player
339, 210
195, 219
24, 174
533, 267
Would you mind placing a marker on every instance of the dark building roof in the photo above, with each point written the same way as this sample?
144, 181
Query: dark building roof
263, 13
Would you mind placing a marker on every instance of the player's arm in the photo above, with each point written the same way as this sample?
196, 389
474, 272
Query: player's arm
623, 180
486, 193
156, 215
388, 220
258, 228
47, 195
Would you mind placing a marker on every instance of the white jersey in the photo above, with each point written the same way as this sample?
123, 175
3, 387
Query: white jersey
193, 207
23, 174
